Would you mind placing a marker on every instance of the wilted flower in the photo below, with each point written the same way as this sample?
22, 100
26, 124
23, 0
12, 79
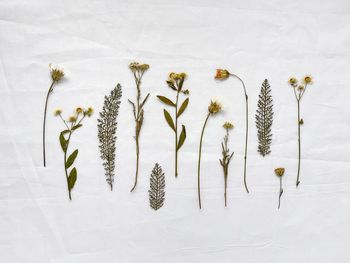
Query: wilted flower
57, 112
279, 171
79, 110
215, 106
136, 66
228, 125
56, 73
300, 87
222, 74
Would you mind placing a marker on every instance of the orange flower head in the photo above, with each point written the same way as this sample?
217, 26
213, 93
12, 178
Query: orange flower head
222, 74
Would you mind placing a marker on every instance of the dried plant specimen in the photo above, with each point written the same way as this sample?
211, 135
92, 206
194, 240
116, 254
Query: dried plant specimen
138, 70
299, 91
226, 155
107, 128
175, 82
264, 118
71, 125
223, 74
280, 172
157, 187
56, 75
214, 108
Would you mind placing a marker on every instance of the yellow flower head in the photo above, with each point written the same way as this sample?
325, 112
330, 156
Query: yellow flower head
279, 171
176, 76
301, 87
222, 74
293, 81
307, 79
79, 110
136, 66
228, 125
214, 107
56, 73
89, 111
72, 119
57, 112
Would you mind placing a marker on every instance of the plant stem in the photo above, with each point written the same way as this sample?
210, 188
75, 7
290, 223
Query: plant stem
299, 145
199, 162
225, 188
280, 194
65, 161
44, 123
137, 163
177, 100
246, 132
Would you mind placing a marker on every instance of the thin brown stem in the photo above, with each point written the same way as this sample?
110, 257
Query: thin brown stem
44, 122
65, 161
246, 133
176, 155
299, 145
280, 194
199, 161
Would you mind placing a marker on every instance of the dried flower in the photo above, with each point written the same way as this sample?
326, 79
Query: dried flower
137, 67
56, 73
279, 171
89, 111
301, 87
186, 92
293, 81
72, 119
79, 110
57, 112
228, 125
307, 79
222, 74
215, 106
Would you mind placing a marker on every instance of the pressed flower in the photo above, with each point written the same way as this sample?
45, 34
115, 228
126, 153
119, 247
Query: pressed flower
79, 110
138, 71
307, 79
293, 81
299, 91
214, 107
56, 75
89, 111
72, 119
280, 172
228, 125
222, 74
57, 112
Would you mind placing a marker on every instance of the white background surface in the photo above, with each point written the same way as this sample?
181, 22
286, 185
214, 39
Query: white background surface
94, 41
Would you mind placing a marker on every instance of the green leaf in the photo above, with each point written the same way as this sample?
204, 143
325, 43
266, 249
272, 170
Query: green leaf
65, 131
182, 137
63, 142
76, 127
72, 178
166, 100
71, 158
169, 119
183, 107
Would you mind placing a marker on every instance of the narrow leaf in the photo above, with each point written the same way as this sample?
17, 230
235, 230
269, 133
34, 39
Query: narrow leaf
183, 107
72, 178
71, 158
166, 100
182, 137
169, 119
63, 142
76, 126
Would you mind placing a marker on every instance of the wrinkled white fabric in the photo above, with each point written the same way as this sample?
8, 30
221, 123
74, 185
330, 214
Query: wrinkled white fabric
94, 41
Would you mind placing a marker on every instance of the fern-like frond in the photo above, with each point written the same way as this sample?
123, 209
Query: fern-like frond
157, 187
264, 118
107, 128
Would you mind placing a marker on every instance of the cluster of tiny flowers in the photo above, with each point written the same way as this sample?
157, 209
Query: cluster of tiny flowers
305, 81
86, 112
136, 66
